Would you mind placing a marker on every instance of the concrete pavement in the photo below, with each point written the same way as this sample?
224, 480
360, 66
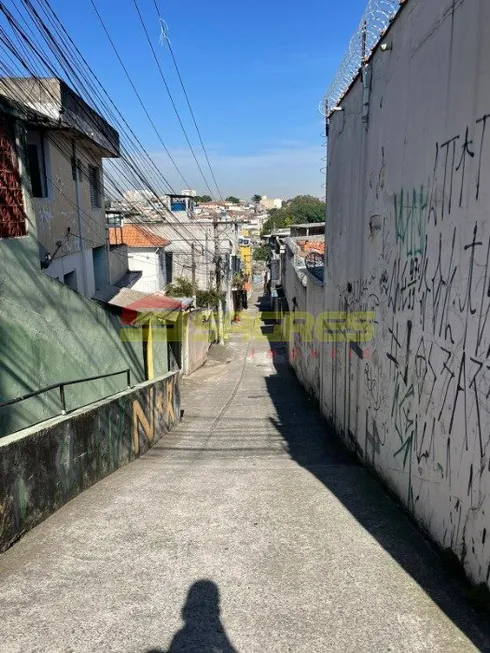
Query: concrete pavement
247, 529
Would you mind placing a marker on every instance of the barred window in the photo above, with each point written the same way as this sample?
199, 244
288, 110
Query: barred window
94, 182
12, 214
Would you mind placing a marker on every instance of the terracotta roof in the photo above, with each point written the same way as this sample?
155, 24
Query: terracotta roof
307, 246
135, 235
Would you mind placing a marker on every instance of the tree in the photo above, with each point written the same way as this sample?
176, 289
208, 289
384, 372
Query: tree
256, 198
261, 253
199, 199
181, 287
233, 200
299, 210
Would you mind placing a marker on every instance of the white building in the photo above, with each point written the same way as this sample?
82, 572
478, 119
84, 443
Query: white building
269, 203
146, 254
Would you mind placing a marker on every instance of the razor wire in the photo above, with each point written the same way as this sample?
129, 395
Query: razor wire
376, 19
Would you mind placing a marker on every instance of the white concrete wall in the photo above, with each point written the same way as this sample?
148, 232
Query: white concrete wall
118, 262
197, 340
58, 213
409, 238
59, 267
305, 298
147, 261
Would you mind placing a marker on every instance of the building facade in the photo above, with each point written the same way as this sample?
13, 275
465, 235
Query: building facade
146, 254
66, 145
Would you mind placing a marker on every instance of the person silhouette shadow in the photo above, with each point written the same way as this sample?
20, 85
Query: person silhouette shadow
203, 631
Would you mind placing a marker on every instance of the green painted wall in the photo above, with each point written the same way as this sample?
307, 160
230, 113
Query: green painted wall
49, 333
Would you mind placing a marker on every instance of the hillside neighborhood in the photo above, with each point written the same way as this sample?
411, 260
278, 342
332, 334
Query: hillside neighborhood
235, 420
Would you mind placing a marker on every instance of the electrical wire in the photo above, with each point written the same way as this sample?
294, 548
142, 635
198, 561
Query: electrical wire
176, 111
188, 102
68, 62
47, 64
133, 86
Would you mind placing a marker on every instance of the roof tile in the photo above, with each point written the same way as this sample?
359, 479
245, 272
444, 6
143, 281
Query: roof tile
134, 235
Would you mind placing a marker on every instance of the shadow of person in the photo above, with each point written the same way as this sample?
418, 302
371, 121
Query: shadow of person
203, 631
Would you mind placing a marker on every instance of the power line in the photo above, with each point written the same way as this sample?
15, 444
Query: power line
133, 86
134, 170
188, 103
59, 26
48, 66
176, 111
112, 103
71, 66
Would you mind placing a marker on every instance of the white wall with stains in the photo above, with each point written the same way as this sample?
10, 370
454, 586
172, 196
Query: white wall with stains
408, 236
305, 300
151, 264
73, 263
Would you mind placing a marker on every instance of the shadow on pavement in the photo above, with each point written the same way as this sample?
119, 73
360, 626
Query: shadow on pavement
203, 631
311, 443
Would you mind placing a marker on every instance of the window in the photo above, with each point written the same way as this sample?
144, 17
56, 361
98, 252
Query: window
12, 216
114, 219
168, 267
94, 182
36, 164
177, 205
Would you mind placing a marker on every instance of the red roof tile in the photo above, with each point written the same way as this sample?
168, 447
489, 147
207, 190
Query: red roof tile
156, 303
308, 246
135, 235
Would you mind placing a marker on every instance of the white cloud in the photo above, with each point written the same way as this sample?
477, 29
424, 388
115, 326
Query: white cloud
291, 168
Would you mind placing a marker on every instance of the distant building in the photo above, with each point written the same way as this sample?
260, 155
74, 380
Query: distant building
189, 192
269, 203
307, 229
133, 196
181, 204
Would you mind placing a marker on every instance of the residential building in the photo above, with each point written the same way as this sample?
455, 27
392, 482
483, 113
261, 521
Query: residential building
183, 204
48, 332
145, 253
269, 203
307, 229
300, 293
246, 256
66, 144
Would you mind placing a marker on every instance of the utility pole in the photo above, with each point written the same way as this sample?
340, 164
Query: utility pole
208, 284
75, 173
217, 262
193, 267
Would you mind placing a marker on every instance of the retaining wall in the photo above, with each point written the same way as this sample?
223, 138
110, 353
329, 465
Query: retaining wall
43, 467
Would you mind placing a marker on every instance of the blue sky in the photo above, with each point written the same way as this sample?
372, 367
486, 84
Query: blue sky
255, 71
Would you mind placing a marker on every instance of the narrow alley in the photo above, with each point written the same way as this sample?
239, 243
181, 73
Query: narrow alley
247, 528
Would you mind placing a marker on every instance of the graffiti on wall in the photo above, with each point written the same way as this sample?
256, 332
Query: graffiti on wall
78, 450
425, 389
156, 415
